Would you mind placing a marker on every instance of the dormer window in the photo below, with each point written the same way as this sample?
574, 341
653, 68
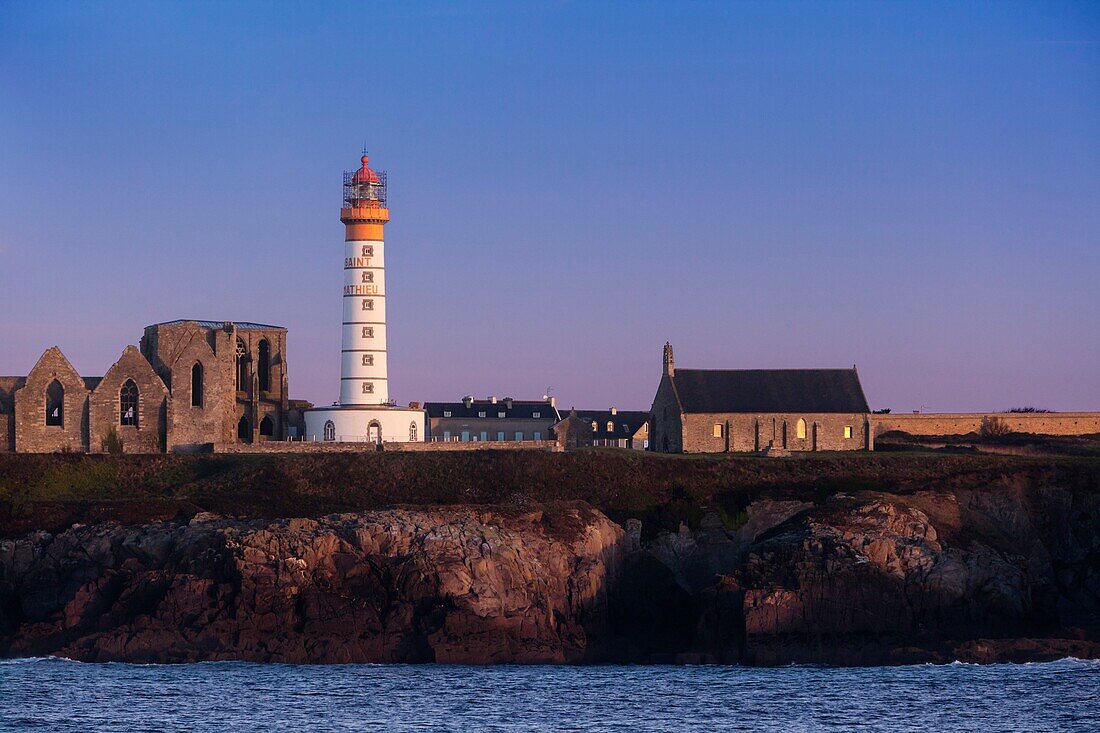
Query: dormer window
446, 413
500, 414
481, 413
536, 414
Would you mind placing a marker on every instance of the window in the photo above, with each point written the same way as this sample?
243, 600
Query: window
265, 365
610, 426
465, 436
446, 413
368, 276
368, 304
242, 366
481, 414
595, 427
267, 426
412, 432
368, 359
446, 436
800, 428
368, 387
196, 385
537, 436
128, 404
847, 431
330, 430
484, 434
519, 435
645, 428
500, 435
244, 430
536, 414
717, 430
368, 332
368, 250
374, 431
626, 428
500, 414
55, 404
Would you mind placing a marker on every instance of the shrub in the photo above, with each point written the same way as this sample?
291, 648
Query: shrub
112, 443
1027, 409
994, 427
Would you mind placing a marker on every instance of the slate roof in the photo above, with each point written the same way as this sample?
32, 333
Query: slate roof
521, 409
769, 390
217, 325
626, 422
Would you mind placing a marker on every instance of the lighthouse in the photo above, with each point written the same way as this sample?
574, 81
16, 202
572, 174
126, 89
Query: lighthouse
365, 412
363, 374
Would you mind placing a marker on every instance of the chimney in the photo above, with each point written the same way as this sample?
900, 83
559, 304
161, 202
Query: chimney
508, 402
493, 399
467, 401
670, 365
614, 411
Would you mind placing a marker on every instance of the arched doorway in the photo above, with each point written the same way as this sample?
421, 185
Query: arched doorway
330, 430
244, 430
267, 426
374, 431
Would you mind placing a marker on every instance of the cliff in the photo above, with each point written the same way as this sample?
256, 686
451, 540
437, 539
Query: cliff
714, 561
445, 585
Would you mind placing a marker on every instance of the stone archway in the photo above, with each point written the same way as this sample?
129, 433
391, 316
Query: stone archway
244, 430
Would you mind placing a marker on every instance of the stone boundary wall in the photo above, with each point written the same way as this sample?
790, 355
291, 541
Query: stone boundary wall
365, 447
961, 423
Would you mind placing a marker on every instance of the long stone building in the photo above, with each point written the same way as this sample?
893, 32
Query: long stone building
751, 410
191, 384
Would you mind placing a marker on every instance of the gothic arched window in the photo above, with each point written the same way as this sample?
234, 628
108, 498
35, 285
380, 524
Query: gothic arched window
244, 430
267, 426
412, 432
800, 428
128, 404
330, 430
55, 404
264, 367
242, 366
196, 385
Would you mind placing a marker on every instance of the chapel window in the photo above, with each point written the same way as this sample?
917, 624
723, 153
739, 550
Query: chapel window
55, 404
718, 430
265, 365
800, 428
196, 385
128, 404
242, 366
412, 432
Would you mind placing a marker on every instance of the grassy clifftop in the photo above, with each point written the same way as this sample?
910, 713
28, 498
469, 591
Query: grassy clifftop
51, 492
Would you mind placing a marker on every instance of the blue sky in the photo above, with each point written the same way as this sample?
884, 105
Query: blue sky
912, 188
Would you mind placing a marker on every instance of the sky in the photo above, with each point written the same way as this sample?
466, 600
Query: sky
913, 188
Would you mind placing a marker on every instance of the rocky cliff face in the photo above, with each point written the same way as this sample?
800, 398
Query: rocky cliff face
444, 585
980, 574
976, 575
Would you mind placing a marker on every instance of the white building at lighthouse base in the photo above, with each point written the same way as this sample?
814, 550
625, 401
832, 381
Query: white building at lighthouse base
365, 423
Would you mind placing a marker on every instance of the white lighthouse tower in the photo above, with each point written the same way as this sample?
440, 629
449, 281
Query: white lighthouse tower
365, 412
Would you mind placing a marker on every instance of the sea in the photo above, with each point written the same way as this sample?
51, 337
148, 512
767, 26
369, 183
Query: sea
47, 694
